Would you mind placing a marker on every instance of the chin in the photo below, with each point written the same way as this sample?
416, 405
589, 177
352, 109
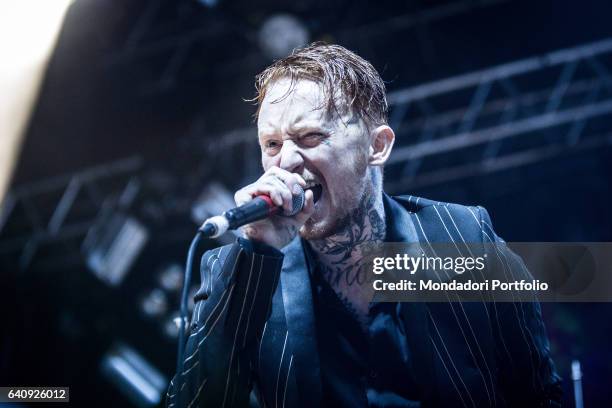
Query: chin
325, 222
313, 230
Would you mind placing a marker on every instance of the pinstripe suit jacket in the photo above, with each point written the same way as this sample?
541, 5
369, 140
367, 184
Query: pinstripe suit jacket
252, 341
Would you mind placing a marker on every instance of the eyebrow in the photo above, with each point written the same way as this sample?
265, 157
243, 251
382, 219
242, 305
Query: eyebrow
296, 130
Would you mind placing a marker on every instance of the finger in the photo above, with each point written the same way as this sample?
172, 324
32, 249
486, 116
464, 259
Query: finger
283, 190
308, 208
294, 182
272, 186
242, 197
290, 179
270, 190
298, 179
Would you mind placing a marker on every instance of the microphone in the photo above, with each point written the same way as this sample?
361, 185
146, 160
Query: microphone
257, 209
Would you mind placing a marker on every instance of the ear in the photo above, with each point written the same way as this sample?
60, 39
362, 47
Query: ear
381, 143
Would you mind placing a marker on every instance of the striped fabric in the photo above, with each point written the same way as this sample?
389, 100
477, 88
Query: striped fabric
253, 341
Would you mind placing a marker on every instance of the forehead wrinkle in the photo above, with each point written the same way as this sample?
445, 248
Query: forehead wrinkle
301, 108
293, 120
277, 115
309, 118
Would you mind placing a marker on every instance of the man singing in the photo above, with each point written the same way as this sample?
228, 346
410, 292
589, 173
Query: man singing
285, 317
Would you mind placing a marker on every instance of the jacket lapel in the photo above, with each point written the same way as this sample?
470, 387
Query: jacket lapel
299, 313
400, 228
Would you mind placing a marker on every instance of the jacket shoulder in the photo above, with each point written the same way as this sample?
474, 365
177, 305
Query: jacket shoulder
438, 221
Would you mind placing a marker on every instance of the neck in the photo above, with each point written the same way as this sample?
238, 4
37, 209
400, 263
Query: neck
341, 255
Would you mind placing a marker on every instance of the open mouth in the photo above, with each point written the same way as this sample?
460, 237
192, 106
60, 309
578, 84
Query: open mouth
317, 190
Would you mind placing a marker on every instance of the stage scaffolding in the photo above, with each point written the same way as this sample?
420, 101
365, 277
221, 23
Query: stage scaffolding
501, 117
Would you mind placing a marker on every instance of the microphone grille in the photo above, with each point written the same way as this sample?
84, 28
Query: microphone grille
298, 203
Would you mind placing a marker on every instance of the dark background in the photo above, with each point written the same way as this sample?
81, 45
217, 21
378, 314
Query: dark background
142, 107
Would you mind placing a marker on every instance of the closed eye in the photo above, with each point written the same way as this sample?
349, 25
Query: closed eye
312, 139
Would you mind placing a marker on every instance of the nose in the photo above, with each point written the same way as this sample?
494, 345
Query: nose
291, 158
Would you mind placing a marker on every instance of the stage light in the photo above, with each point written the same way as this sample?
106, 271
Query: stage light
280, 34
155, 303
208, 3
171, 278
214, 200
171, 325
134, 376
112, 246
28, 30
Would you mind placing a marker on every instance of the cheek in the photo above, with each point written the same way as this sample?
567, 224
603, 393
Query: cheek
350, 162
339, 163
267, 161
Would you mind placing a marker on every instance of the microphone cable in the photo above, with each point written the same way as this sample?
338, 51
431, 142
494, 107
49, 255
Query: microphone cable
212, 228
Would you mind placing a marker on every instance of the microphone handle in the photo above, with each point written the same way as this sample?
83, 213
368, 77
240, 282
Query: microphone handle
259, 208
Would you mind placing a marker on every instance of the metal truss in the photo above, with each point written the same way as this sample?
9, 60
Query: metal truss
498, 111
497, 118
149, 39
76, 200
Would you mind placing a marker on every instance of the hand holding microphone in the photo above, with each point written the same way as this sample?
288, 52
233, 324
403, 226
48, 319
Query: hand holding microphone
258, 207
274, 208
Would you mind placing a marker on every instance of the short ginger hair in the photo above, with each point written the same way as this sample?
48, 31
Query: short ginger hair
336, 69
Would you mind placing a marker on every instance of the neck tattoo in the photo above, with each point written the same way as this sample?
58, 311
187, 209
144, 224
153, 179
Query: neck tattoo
341, 256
